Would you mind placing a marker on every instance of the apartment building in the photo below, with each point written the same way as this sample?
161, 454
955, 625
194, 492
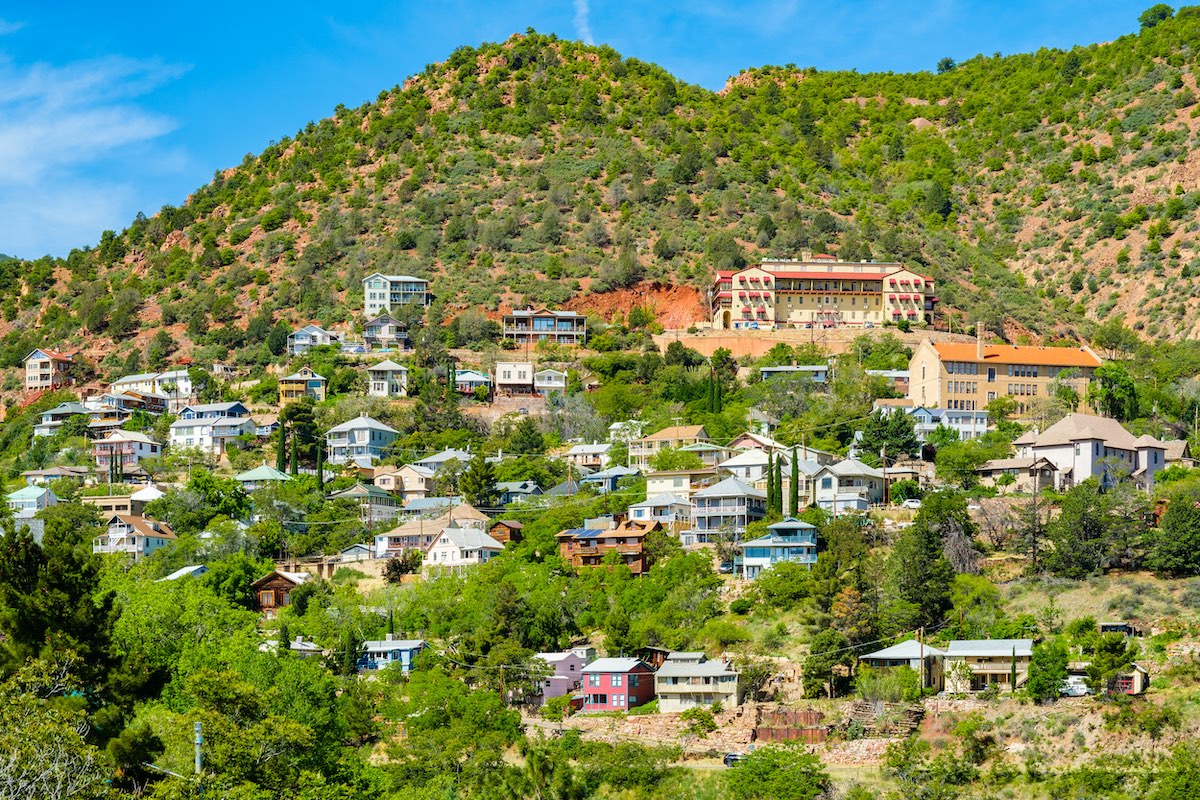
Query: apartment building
47, 369
588, 546
383, 293
820, 291
533, 325
967, 376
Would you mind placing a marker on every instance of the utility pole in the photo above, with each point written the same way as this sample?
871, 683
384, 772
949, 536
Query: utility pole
199, 740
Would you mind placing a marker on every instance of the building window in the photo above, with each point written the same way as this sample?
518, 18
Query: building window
617, 680
593, 680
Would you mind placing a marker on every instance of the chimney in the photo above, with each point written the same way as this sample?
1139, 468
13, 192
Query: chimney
389, 637
979, 331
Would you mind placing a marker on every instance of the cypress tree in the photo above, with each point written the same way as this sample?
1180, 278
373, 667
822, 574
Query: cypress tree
281, 449
295, 460
794, 489
719, 400
779, 485
285, 639
320, 463
770, 481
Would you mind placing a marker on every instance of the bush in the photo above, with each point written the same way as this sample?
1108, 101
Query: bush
897, 685
741, 606
699, 721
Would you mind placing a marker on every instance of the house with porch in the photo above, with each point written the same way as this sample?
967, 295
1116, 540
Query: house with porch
923, 659
409, 481
672, 511
546, 381
390, 652
52, 419
213, 435
304, 383
790, 540
466, 381
974, 664
375, 505
729, 505
517, 491
1082, 446
690, 680
616, 684
643, 450
419, 532
682, 483
455, 548
126, 447
382, 293
304, 339
592, 456
361, 440
273, 591
531, 325
514, 377
385, 332
47, 369
30, 499
133, 536
590, 545
387, 379
260, 477
848, 486
213, 410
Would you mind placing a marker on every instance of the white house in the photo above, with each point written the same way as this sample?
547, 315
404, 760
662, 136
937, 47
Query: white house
682, 483
134, 536
549, 380
213, 410
361, 440
52, 419
921, 658
690, 680
387, 292
790, 540
589, 456
727, 505
1081, 446
374, 504
971, 665
438, 460
848, 485
304, 339
129, 447
750, 465
461, 547
514, 377
176, 384
387, 379
672, 511
213, 435
141, 382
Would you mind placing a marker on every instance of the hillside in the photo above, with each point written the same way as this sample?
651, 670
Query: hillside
1045, 191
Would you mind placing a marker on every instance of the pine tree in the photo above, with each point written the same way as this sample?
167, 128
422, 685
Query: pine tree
285, 639
478, 483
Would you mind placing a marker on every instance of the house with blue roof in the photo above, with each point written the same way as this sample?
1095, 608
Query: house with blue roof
790, 540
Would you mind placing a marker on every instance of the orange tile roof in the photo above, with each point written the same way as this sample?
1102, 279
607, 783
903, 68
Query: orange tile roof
1016, 354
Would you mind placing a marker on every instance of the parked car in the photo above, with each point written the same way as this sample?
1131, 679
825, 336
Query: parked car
732, 759
911, 502
1074, 686
725, 568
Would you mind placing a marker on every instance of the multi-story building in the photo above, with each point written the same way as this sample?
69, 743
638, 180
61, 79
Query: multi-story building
514, 377
134, 536
588, 546
383, 293
729, 505
643, 450
1082, 446
304, 339
541, 324
387, 379
967, 376
213, 435
989, 661
304, 383
385, 331
820, 291
361, 440
616, 684
690, 680
47, 369
127, 447
52, 419
790, 540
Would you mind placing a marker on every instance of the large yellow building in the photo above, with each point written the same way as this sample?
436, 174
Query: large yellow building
967, 376
820, 291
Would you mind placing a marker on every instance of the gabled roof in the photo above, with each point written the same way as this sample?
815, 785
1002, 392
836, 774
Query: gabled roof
137, 378
301, 376
363, 490
261, 473
147, 494
471, 375
128, 436
527, 487
1017, 354
618, 471
852, 466
206, 408
677, 432
554, 658
409, 278
730, 487
296, 578
468, 539
452, 517
594, 449
185, 572
383, 645
444, 456
359, 423
51, 354
1081, 427
543, 311
389, 365
908, 650
29, 493
690, 668
614, 665
549, 371
661, 500
143, 526
995, 648
67, 408
311, 328
383, 319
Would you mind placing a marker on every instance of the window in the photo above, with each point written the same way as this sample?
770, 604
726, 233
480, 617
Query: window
826, 483
594, 679
618, 700
633, 681
266, 598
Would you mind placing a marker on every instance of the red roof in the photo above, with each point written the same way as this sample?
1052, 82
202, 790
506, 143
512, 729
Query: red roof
54, 354
845, 276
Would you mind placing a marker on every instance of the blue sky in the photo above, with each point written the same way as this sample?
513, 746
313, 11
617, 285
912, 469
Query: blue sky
108, 109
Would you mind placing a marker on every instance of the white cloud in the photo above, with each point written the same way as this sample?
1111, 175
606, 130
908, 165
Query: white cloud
60, 124
7, 27
583, 25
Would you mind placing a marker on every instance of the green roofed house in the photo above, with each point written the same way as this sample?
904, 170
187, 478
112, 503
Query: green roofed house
260, 476
376, 504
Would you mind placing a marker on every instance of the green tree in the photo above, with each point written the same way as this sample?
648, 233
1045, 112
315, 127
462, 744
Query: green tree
478, 482
890, 433
918, 578
1047, 671
1113, 393
779, 772
1175, 546
1155, 14
828, 649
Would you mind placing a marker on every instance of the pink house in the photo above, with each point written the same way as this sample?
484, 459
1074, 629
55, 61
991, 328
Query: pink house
568, 672
617, 684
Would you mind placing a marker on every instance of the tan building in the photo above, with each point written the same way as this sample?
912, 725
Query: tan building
968, 376
301, 384
643, 450
973, 665
820, 291
47, 369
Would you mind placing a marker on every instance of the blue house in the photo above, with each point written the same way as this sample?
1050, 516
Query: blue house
383, 653
607, 479
789, 540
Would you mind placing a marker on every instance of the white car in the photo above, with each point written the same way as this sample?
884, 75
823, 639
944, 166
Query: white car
911, 502
1074, 686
